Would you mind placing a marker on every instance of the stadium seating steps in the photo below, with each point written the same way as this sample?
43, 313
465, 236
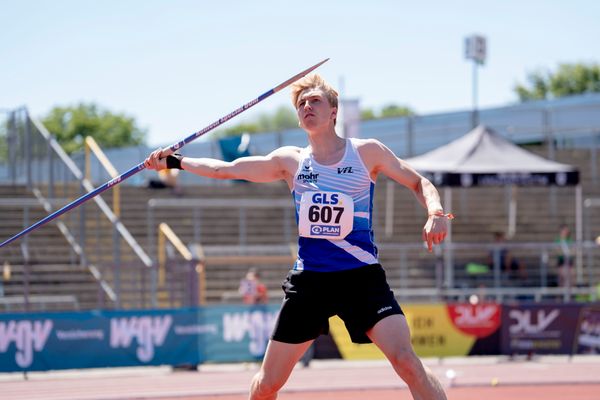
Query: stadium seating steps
54, 268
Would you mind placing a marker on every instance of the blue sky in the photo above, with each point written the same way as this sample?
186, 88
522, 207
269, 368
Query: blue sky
176, 66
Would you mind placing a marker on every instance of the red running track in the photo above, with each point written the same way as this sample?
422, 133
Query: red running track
490, 378
542, 392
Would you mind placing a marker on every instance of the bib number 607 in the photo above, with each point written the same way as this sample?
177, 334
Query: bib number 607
325, 214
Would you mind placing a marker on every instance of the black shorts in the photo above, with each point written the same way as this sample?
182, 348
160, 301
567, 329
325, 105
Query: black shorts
360, 297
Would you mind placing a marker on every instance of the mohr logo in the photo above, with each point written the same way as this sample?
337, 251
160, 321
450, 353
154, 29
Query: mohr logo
345, 170
311, 177
27, 335
525, 324
148, 331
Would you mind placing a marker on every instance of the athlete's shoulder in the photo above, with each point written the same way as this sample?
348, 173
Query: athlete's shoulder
287, 151
288, 158
368, 142
370, 147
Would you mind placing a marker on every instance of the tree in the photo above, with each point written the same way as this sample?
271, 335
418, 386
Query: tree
283, 118
70, 126
3, 141
393, 110
568, 80
240, 129
367, 114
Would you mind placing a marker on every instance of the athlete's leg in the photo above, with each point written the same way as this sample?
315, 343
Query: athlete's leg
392, 336
277, 366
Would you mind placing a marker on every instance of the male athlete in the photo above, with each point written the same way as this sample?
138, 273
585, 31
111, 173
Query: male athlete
337, 271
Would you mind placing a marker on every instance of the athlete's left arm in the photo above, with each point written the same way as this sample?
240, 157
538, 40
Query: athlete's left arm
380, 159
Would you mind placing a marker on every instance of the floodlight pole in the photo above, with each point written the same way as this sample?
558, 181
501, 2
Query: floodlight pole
476, 50
475, 113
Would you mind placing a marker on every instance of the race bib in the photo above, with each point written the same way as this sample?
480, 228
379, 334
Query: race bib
325, 215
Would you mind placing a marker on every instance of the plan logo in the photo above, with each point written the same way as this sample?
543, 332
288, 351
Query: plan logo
149, 332
325, 230
28, 336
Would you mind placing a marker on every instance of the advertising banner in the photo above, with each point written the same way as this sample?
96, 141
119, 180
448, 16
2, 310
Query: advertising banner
539, 328
46, 341
588, 331
437, 330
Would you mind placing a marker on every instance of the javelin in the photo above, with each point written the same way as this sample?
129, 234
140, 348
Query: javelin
173, 147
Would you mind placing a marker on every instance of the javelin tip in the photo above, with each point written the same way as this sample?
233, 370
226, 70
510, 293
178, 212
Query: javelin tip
300, 75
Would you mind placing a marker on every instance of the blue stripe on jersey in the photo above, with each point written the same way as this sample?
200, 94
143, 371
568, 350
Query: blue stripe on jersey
348, 176
323, 255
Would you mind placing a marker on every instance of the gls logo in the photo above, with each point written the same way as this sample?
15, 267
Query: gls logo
524, 323
27, 335
345, 170
324, 198
148, 332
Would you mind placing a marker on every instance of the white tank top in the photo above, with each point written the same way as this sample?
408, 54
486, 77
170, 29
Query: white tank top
334, 234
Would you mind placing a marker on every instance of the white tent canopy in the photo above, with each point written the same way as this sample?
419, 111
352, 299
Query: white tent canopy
484, 158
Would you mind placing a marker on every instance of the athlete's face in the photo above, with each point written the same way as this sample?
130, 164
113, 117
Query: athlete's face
314, 110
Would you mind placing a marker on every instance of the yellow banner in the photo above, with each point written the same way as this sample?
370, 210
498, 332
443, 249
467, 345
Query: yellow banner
432, 334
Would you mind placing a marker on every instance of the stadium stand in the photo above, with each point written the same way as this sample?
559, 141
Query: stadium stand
108, 273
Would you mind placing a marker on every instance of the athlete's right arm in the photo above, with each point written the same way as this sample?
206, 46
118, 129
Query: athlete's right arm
277, 165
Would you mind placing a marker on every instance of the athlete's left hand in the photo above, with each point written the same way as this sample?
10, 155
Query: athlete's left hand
435, 230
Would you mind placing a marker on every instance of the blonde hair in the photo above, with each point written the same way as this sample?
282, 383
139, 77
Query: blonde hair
314, 81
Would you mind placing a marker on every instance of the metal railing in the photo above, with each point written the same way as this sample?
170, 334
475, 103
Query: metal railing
196, 277
92, 147
540, 270
50, 173
240, 206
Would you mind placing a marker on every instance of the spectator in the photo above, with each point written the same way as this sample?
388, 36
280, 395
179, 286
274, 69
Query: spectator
565, 259
253, 291
511, 268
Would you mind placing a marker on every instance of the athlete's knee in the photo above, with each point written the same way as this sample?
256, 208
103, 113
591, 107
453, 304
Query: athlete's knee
407, 365
264, 385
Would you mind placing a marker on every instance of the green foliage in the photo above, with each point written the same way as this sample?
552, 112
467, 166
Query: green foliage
393, 110
367, 114
3, 140
388, 111
240, 129
569, 79
70, 126
283, 118
286, 118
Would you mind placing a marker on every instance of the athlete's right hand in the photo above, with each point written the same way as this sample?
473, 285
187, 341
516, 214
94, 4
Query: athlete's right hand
157, 159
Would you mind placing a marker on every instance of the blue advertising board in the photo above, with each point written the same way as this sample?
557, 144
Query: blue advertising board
47, 341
